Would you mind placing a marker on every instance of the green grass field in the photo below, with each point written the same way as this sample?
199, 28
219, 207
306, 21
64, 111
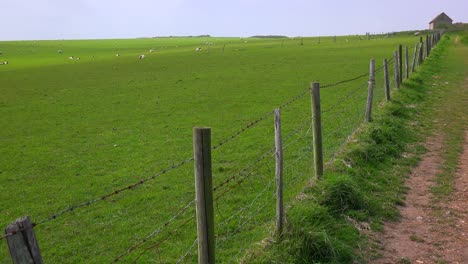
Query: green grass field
72, 130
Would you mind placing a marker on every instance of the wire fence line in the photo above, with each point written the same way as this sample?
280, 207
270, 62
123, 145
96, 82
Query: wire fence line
297, 144
181, 163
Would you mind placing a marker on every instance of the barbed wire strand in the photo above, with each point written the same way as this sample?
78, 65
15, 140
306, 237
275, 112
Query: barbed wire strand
155, 232
345, 81
344, 98
115, 192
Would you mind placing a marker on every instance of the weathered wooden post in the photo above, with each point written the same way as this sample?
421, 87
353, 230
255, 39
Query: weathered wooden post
370, 92
397, 69
421, 52
279, 173
387, 84
428, 46
204, 195
413, 66
400, 62
406, 63
317, 131
22, 242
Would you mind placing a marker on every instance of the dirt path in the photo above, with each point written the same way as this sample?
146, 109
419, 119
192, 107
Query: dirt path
426, 234
429, 231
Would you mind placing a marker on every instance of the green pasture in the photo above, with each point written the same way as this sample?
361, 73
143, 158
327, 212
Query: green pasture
73, 130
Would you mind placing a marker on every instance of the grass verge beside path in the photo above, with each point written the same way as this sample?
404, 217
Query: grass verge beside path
451, 115
331, 220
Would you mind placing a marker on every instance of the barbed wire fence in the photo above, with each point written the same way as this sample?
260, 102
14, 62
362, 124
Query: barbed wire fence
244, 195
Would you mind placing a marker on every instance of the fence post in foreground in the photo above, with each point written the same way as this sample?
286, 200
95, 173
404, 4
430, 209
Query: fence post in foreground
387, 84
317, 131
406, 62
397, 69
400, 63
414, 57
22, 243
204, 195
370, 92
279, 173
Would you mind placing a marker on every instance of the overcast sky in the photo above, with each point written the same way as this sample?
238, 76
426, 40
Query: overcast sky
78, 19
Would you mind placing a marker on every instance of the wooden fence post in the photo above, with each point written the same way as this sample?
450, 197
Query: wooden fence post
421, 52
406, 63
370, 92
279, 173
22, 243
414, 57
204, 195
428, 46
397, 69
400, 62
387, 84
317, 131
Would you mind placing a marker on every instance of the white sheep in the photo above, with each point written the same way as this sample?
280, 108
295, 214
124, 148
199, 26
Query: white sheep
198, 49
59, 51
78, 58
5, 62
142, 56
151, 50
71, 58
117, 55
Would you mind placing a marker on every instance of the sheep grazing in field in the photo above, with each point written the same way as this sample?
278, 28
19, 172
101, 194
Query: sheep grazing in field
117, 55
59, 51
78, 58
5, 63
142, 56
71, 58
198, 49
151, 50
